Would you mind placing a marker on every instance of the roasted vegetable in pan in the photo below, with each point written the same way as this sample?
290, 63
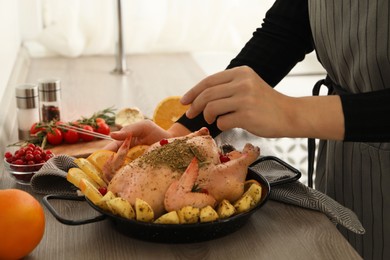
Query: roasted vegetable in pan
88, 178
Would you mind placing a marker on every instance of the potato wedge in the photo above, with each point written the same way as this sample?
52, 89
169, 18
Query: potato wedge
225, 209
168, 218
244, 203
91, 170
188, 215
249, 183
90, 191
103, 202
255, 192
121, 207
143, 211
208, 214
76, 174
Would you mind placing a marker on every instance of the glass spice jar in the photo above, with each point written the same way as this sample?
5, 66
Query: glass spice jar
50, 99
27, 104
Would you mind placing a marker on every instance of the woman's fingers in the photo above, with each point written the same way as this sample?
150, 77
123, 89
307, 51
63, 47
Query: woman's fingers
227, 85
208, 82
143, 132
209, 100
113, 146
220, 108
136, 129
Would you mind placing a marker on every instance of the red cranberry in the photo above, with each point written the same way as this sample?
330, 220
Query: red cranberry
8, 155
224, 158
102, 190
163, 142
29, 157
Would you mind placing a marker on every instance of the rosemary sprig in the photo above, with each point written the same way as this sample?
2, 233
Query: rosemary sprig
107, 114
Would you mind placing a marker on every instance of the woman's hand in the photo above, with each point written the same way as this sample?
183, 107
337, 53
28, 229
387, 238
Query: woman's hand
239, 97
144, 132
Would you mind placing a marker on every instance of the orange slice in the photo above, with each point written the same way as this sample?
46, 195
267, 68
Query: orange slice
100, 157
168, 111
135, 152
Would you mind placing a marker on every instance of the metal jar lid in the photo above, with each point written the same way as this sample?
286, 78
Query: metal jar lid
27, 96
49, 89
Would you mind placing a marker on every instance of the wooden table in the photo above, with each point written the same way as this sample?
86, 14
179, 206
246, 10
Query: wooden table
276, 231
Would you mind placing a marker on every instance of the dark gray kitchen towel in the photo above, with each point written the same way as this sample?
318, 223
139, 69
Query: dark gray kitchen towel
51, 178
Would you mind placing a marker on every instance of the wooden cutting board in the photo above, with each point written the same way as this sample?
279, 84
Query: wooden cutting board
81, 149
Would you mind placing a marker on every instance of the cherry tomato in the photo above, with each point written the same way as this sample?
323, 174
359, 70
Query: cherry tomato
102, 128
99, 120
86, 137
75, 123
54, 137
59, 123
71, 136
35, 129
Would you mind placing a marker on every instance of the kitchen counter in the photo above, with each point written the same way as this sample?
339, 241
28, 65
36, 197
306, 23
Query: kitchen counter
275, 231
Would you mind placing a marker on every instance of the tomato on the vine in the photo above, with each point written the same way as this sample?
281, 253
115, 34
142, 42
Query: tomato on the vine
100, 120
86, 137
35, 128
55, 132
102, 128
54, 137
59, 123
71, 136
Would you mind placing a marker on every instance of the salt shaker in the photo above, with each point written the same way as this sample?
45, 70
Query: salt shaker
50, 99
27, 103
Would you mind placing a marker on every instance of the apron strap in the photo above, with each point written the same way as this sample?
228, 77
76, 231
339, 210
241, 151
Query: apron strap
311, 142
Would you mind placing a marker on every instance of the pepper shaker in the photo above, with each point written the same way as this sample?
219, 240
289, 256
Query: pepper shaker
50, 99
27, 103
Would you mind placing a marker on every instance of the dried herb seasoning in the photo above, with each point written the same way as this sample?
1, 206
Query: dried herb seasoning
177, 155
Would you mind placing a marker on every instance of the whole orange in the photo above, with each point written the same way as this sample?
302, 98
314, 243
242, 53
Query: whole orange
22, 223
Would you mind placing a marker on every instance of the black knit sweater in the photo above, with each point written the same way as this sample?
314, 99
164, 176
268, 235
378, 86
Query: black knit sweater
274, 49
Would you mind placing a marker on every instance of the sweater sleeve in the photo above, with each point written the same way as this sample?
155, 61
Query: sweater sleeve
283, 40
274, 49
366, 116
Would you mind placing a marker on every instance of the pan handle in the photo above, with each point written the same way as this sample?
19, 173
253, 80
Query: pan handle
65, 221
272, 162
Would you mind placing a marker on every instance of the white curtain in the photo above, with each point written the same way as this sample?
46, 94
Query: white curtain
89, 27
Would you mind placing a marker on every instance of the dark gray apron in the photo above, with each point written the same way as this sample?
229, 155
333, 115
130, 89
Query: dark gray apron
352, 41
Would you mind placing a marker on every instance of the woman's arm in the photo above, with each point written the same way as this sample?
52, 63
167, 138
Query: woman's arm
274, 49
282, 41
240, 98
367, 116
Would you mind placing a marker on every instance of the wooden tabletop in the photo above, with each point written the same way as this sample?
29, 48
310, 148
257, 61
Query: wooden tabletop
275, 231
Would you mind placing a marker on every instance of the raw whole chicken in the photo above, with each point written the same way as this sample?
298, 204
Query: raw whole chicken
179, 172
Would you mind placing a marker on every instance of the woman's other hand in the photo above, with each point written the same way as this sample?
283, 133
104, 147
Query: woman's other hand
144, 132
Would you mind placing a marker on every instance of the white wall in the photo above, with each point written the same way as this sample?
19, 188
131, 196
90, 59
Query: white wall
10, 40
73, 28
